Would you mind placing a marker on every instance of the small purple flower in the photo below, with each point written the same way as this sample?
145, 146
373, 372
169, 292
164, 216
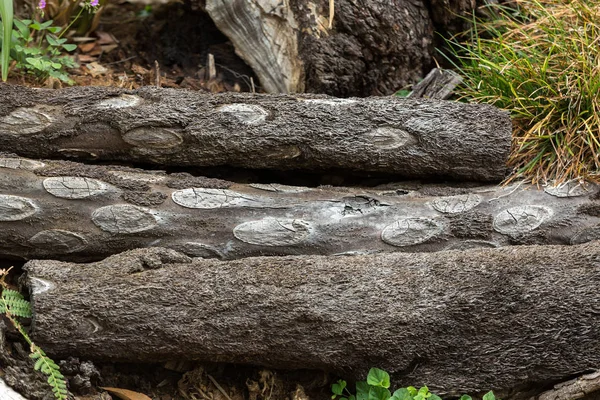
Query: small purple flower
42, 4
93, 3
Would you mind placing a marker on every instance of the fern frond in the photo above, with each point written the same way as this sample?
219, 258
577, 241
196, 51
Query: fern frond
14, 304
56, 380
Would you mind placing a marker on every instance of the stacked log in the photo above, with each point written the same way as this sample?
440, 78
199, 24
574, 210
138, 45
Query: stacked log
459, 285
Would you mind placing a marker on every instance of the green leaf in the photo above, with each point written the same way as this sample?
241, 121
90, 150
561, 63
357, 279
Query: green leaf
38, 364
412, 391
378, 377
69, 47
362, 390
46, 24
379, 393
465, 397
402, 394
338, 388
35, 26
424, 391
402, 93
54, 29
489, 396
51, 40
22, 26
434, 397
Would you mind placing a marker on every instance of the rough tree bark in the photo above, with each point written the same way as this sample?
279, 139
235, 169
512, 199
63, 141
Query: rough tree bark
369, 48
71, 211
465, 321
414, 138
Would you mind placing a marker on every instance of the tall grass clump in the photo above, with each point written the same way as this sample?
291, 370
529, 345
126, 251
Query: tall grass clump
540, 60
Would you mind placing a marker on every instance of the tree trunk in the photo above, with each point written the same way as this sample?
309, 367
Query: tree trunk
467, 321
363, 48
413, 138
72, 211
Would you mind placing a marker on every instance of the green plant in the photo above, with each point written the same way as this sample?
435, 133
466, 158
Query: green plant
7, 14
376, 387
38, 50
13, 305
541, 61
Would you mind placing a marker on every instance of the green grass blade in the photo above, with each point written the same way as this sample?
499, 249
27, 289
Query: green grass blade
6, 12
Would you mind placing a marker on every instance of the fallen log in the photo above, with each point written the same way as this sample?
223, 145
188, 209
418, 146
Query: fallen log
71, 211
462, 321
412, 138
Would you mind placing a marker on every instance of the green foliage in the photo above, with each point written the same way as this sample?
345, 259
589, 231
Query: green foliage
56, 380
540, 60
39, 51
376, 387
13, 305
7, 15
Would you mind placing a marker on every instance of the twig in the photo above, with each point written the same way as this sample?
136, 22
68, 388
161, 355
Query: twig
157, 74
121, 61
211, 69
214, 381
574, 389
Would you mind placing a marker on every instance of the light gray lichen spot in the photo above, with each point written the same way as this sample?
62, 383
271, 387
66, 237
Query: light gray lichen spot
138, 176
20, 163
39, 285
386, 137
214, 198
59, 241
74, 187
24, 121
123, 218
283, 152
123, 101
411, 231
586, 235
456, 204
273, 231
249, 114
572, 188
331, 102
276, 187
472, 244
16, 208
152, 137
521, 219
196, 249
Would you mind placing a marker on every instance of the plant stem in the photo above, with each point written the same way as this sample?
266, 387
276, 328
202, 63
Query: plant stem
72, 22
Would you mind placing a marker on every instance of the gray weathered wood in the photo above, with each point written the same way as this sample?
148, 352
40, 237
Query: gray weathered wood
438, 84
413, 138
466, 321
369, 48
70, 211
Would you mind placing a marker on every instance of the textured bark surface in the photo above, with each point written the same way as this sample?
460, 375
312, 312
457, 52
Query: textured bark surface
370, 47
413, 138
466, 321
70, 211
